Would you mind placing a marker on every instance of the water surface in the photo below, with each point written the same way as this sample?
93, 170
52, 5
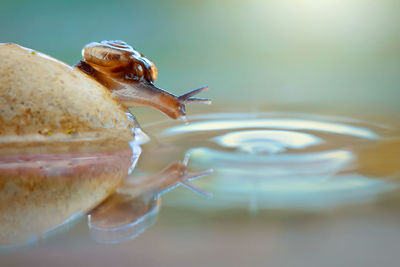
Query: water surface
280, 182
283, 160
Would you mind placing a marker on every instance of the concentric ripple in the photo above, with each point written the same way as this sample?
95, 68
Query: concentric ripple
280, 160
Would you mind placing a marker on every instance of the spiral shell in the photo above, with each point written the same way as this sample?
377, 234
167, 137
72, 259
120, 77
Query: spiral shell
118, 57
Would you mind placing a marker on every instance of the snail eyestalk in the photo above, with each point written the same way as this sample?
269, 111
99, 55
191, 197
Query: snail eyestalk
187, 97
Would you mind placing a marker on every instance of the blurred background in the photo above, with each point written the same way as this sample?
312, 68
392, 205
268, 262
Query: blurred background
334, 56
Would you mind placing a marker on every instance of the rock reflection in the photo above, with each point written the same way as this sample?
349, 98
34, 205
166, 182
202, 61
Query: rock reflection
40, 192
134, 206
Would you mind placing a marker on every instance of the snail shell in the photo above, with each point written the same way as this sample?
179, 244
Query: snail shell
119, 59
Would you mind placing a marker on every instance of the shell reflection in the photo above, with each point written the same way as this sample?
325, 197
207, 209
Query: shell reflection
280, 160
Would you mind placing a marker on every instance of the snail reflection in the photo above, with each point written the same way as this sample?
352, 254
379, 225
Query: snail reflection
134, 206
41, 192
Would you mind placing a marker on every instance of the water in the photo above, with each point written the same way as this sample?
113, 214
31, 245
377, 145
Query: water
273, 177
282, 160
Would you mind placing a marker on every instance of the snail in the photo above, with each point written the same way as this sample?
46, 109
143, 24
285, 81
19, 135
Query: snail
45, 102
130, 77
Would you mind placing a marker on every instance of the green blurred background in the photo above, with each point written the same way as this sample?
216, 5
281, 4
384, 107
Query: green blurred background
333, 56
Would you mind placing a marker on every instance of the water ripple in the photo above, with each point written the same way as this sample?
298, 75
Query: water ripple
282, 160
281, 123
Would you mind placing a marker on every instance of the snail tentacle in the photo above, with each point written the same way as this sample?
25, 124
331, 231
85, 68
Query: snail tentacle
187, 97
193, 92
